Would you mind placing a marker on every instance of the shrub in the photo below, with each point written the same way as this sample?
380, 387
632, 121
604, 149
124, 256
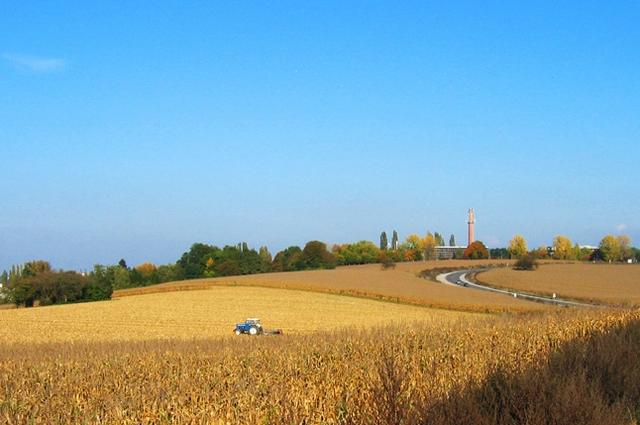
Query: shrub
386, 261
526, 262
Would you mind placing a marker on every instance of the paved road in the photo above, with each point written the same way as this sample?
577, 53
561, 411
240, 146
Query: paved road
460, 280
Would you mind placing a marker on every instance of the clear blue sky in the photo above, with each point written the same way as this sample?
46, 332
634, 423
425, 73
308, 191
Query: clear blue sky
133, 129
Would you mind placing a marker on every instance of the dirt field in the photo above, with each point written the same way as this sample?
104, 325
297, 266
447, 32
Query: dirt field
206, 314
617, 284
400, 285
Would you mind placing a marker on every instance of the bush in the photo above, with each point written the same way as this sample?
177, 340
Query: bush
386, 261
526, 262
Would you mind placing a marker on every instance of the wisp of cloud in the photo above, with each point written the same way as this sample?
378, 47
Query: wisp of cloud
34, 63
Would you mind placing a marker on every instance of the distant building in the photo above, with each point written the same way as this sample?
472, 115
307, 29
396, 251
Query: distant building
446, 252
589, 247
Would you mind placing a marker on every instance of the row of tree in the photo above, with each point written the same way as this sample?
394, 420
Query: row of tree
611, 249
36, 283
438, 240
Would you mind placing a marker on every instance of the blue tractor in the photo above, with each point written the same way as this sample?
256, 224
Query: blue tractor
251, 326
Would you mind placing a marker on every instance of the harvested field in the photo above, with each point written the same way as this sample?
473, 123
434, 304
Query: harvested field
206, 314
617, 284
568, 367
401, 284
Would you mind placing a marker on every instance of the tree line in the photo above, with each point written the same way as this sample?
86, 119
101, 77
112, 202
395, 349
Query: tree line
36, 283
610, 249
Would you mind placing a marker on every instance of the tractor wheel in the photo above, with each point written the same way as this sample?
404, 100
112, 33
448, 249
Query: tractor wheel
237, 331
253, 331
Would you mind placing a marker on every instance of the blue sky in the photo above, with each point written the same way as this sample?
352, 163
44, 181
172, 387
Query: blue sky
135, 130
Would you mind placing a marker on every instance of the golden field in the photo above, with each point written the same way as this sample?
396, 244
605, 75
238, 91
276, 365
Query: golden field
616, 284
204, 314
166, 355
567, 367
403, 284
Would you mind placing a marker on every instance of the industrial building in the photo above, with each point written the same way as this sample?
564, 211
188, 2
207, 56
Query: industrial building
446, 252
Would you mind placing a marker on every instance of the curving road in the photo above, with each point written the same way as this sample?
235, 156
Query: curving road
460, 280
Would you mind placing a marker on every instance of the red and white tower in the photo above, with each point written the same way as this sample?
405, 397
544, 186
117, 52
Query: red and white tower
471, 223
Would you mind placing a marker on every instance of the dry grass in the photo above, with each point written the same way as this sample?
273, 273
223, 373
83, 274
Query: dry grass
206, 314
369, 281
564, 368
617, 284
161, 358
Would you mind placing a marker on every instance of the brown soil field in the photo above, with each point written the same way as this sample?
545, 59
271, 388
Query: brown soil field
206, 314
402, 284
616, 284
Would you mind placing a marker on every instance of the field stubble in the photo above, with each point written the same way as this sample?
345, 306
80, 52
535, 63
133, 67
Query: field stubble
207, 313
583, 365
615, 284
402, 284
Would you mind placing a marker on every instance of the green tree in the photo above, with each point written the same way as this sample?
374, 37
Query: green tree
383, 240
498, 253
49, 287
289, 259
22, 292
362, 252
438, 239
123, 263
33, 268
135, 278
194, 261
610, 248
265, 259
316, 256
394, 240
229, 267
121, 278
517, 247
452, 240
101, 285
168, 273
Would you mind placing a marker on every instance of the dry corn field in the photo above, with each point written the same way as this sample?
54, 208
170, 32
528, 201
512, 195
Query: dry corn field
617, 284
169, 356
207, 313
567, 367
403, 284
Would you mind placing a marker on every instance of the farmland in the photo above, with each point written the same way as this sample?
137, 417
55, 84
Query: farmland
205, 314
166, 354
565, 367
401, 284
617, 284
